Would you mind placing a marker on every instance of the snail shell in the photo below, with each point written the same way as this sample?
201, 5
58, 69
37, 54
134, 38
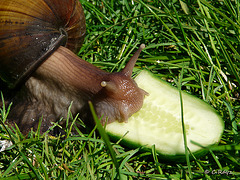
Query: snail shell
32, 36
30, 31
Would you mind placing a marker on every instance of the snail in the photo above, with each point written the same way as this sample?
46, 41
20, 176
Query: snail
38, 41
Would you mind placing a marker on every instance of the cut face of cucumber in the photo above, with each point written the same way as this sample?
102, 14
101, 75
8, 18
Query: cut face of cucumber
159, 121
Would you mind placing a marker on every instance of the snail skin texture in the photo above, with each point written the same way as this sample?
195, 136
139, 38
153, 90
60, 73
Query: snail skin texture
64, 78
43, 76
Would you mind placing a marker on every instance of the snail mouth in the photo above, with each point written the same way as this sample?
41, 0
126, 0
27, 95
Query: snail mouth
109, 111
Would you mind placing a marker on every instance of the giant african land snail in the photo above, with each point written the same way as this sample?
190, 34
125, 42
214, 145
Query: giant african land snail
47, 77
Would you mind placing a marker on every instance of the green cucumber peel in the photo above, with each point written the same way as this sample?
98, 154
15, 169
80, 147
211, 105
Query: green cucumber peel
158, 123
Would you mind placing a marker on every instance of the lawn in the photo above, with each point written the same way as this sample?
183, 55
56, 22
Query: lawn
196, 40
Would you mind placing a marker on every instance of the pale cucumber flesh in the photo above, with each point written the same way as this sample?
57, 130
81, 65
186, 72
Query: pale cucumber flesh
159, 121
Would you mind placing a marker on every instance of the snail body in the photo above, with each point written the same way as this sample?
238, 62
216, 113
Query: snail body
45, 89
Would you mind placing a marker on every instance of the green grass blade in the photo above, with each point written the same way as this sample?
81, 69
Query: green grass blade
38, 176
105, 138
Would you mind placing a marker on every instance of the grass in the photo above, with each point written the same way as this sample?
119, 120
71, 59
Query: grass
197, 41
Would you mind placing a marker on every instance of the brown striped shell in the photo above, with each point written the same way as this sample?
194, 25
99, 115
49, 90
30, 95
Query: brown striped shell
30, 31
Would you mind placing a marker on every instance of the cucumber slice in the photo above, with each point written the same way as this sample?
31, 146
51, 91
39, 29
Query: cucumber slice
159, 121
